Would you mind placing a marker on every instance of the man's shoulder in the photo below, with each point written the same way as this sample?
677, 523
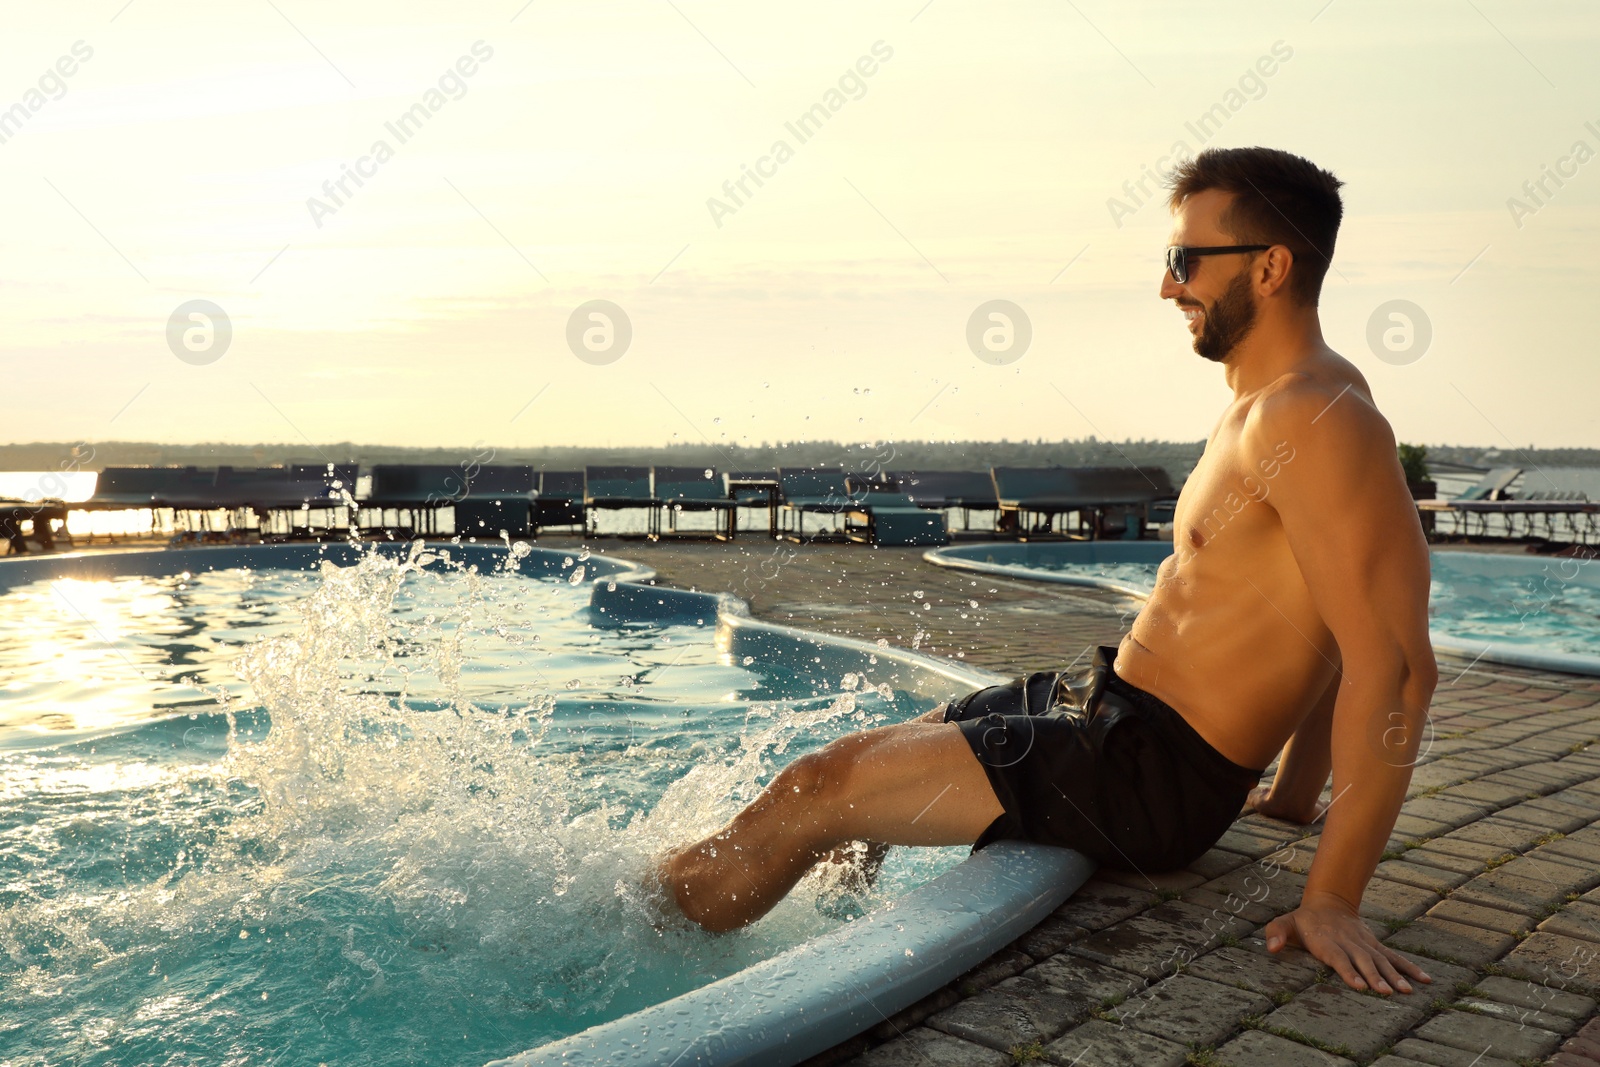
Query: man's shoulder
1333, 402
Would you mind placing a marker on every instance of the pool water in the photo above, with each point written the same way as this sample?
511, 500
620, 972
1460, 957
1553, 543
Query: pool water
373, 814
1550, 607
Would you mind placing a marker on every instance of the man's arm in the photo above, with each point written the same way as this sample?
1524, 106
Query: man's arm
1296, 790
1356, 538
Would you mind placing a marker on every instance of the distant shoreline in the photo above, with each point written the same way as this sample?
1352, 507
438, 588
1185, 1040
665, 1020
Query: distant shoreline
1178, 457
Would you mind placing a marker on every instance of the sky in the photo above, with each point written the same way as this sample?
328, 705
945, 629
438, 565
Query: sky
155, 154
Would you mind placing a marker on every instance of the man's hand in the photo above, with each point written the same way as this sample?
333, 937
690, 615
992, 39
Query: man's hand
1330, 930
1260, 800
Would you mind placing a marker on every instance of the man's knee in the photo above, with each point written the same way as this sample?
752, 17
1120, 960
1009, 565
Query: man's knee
825, 778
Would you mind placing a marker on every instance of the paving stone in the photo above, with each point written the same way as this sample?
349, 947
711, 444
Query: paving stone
1477, 1033
1501, 889
1269, 886
1415, 1050
1459, 911
1565, 877
1455, 845
1428, 856
1506, 835
1160, 940
1579, 851
1435, 879
1169, 881
1249, 965
923, 1047
1435, 773
1578, 799
1585, 1045
1007, 963
1254, 1048
1248, 844
1097, 904
1093, 983
1557, 961
1580, 919
1279, 829
1018, 1011
1410, 828
1190, 1010
1556, 1024
1449, 979
1337, 1017
1221, 905
1217, 862
1394, 901
1052, 935
1101, 1044
1442, 939
1442, 808
1525, 994
1499, 794
1549, 816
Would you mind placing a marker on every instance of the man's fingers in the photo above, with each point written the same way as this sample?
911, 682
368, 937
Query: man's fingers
1334, 955
1407, 966
1396, 980
1280, 932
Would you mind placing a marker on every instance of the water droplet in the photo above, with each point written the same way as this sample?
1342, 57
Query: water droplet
747, 660
917, 594
577, 576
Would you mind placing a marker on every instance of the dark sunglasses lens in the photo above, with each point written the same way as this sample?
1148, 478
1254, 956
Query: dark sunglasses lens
1178, 264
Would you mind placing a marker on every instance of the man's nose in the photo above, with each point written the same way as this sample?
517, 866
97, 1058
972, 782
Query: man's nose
1169, 287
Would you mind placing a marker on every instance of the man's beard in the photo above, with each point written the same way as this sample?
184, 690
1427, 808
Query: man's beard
1229, 320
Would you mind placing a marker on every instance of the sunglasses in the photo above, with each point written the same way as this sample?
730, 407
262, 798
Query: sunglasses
1178, 257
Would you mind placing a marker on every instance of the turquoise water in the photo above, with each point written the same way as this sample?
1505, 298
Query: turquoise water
1555, 608
370, 815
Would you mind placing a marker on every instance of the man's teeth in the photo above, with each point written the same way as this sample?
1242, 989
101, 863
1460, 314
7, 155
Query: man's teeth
1191, 313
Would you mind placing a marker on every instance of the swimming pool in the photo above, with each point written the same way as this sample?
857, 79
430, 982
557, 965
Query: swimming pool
1521, 610
255, 807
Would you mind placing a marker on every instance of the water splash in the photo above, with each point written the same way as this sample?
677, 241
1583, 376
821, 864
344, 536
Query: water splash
385, 832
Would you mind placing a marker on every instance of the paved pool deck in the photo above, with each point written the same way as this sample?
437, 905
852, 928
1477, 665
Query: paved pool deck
1490, 881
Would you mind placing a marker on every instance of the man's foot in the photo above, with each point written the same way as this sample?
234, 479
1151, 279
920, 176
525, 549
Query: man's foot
656, 899
848, 874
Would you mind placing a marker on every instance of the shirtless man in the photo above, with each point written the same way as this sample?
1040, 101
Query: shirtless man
1290, 620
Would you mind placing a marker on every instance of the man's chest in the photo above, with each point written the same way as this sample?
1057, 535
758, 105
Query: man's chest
1223, 509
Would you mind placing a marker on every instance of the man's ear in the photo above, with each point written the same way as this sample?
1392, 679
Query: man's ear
1273, 269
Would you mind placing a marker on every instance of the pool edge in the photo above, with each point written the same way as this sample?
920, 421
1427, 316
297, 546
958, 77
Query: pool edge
1444, 644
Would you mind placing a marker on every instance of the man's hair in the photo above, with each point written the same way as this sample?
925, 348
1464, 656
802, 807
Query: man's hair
1278, 199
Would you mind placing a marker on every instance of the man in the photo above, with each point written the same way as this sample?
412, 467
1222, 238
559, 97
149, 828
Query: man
1291, 617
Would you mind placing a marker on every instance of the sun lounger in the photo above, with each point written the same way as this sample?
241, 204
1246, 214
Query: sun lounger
679, 489
1492, 486
870, 511
416, 491
618, 488
942, 490
1109, 501
499, 499
560, 500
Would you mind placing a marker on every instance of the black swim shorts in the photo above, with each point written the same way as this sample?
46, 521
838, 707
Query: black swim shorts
1084, 760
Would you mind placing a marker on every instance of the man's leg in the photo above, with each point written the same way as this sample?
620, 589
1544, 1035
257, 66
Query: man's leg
916, 783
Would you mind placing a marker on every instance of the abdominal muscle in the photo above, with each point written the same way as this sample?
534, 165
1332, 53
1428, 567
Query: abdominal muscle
1241, 660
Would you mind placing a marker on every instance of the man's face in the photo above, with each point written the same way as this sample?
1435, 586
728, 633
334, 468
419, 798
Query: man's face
1217, 299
